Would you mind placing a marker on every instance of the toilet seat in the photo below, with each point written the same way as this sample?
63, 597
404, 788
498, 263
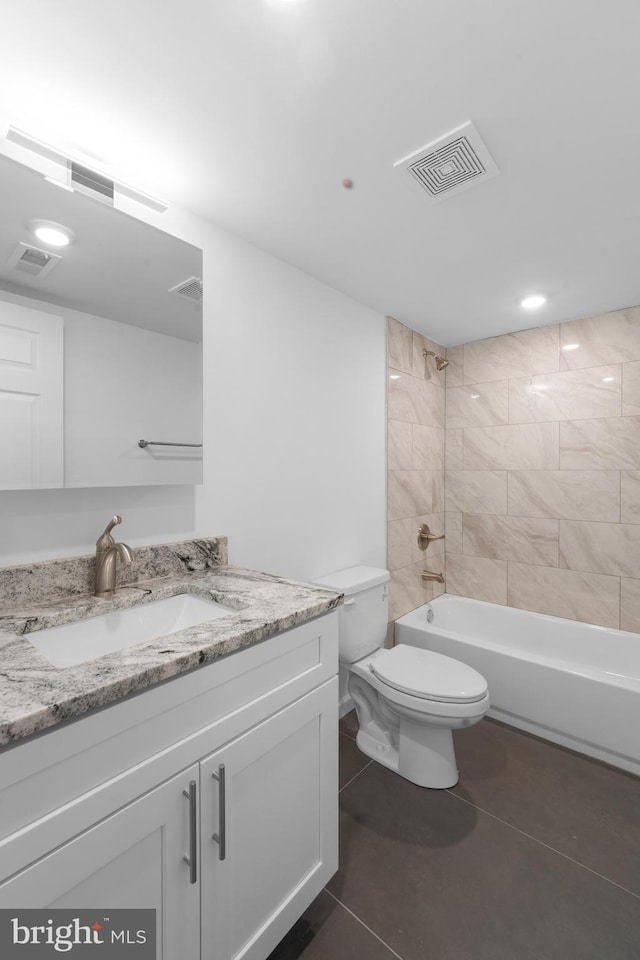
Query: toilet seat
428, 675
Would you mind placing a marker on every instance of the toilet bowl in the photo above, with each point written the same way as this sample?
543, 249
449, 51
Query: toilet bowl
408, 700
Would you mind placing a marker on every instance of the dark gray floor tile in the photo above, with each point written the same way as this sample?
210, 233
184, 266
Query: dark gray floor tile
352, 760
582, 808
438, 879
349, 724
326, 931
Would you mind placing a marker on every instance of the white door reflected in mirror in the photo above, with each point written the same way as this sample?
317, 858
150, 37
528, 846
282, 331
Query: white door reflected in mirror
31, 398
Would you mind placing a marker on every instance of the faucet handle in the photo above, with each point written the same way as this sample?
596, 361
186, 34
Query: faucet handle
425, 537
105, 539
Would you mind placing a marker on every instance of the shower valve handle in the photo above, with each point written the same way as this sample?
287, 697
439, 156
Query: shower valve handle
425, 537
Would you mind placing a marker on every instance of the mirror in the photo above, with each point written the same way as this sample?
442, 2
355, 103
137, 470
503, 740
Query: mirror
100, 344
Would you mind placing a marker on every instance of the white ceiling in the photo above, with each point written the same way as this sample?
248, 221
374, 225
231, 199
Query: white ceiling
252, 112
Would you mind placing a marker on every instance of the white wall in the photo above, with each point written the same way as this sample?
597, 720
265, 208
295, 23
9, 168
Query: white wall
139, 384
294, 434
122, 383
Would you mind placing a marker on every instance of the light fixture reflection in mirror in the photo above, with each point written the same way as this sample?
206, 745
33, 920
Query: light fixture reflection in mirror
100, 343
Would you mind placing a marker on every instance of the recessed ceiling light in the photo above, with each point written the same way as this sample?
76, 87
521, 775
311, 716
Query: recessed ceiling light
571, 346
53, 234
534, 302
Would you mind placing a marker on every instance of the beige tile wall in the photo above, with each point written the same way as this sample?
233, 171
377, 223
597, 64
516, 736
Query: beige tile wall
543, 469
415, 460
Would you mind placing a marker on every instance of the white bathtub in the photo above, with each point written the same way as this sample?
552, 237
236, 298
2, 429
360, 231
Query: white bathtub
570, 682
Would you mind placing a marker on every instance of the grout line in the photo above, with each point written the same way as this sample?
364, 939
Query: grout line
565, 856
355, 776
363, 924
343, 733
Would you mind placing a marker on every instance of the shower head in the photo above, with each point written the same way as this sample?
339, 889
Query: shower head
441, 363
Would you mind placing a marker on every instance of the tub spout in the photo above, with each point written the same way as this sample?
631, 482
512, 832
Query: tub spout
431, 575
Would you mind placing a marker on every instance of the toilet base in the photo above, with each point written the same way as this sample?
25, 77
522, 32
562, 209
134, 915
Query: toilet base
377, 750
425, 756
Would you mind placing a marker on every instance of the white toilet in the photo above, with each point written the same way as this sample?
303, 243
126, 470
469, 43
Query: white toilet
408, 700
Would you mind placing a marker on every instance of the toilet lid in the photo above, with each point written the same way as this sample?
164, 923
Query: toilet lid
432, 676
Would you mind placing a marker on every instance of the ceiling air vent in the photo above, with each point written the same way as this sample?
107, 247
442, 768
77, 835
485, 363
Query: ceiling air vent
451, 163
190, 289
33, 261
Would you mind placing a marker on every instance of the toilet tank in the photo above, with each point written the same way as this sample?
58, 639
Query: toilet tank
364, 614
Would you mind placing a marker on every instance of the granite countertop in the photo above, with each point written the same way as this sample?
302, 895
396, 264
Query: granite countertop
35, 695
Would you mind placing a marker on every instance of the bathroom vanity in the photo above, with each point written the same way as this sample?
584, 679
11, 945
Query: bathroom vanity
210, 796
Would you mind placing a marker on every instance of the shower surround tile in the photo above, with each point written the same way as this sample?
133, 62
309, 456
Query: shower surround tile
478, 405
565, 494
477, 577
481, 491
414, 400
399, 543
437, 488
410, 493
429, 401
609, 444
399, 445
569, 456
453, 529
522, 354
399, 346
428, 447
511, 538
588, 597
631, 389
605, 338
612, 548
575, 395
401, 396
453, 449
455, 370
529, 446
630, 497
408, 590
630, 605
415, 492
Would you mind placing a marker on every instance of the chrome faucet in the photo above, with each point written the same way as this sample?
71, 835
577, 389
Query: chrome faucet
107, 553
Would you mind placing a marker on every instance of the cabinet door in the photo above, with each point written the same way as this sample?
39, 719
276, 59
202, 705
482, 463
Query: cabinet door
132, 859
280, 827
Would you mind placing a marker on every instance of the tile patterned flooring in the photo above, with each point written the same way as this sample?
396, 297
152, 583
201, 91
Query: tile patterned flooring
533, 855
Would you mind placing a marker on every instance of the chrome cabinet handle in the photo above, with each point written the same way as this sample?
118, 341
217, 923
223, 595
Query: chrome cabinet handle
192, 859
221, 837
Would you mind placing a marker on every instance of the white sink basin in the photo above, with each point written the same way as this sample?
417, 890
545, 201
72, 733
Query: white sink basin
73, 643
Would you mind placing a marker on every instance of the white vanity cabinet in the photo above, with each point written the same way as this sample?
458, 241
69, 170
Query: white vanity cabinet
131, 859
276, 812
245, 748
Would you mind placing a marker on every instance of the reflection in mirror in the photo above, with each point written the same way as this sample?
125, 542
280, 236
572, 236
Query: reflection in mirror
100, 344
